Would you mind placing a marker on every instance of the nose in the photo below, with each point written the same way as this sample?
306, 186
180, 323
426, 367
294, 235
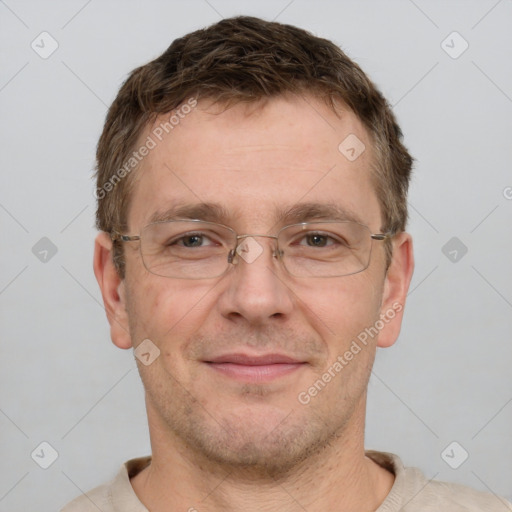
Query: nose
255, 287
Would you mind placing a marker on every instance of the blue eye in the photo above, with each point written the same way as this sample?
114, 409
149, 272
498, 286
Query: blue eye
317, 240
192, 240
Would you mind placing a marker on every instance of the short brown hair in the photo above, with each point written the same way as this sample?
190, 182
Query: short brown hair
246, 59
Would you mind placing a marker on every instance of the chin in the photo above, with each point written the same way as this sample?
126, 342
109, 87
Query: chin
258, 448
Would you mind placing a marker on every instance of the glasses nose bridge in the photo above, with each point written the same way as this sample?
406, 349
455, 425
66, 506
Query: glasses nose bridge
276, 252
249, 235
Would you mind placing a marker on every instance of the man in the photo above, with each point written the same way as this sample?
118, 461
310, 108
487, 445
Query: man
252, 189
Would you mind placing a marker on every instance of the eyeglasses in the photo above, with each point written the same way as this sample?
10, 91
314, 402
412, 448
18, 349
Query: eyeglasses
197, 249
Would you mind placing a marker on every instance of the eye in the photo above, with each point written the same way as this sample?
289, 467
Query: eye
191, 240
317, 240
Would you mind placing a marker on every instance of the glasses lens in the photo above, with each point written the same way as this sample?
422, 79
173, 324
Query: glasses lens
186, 249
325, 249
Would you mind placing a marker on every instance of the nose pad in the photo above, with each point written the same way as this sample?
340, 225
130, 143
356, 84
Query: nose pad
278, 254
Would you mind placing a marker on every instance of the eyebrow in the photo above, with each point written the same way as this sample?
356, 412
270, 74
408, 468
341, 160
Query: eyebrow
215, 212
212, 212
305, 212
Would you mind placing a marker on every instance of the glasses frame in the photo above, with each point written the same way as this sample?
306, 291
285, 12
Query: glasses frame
277, 252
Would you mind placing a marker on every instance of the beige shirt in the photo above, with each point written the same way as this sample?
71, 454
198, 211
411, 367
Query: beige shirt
411, 492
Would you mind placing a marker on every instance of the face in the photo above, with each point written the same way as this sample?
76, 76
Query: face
238, 353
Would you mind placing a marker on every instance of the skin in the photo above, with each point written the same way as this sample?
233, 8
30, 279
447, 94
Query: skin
218, 443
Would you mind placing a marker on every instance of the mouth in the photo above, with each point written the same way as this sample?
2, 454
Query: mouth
248, 368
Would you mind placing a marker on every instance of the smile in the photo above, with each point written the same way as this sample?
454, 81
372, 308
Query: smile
255, 368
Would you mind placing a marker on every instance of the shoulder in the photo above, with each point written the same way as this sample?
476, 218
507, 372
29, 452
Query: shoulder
99, 498
115, 495
460, 498
413, 492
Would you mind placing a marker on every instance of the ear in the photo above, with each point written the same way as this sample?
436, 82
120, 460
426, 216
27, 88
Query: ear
396, 286
112, 290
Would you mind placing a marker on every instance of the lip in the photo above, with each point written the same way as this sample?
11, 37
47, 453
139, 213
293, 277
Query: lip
250, 368
251, 360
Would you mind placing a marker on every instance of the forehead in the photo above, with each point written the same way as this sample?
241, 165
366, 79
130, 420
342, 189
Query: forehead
256, 162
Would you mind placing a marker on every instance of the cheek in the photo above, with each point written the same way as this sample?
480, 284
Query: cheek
166, 309
342, 307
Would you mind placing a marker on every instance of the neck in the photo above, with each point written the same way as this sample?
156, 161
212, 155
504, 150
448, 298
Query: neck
337, 477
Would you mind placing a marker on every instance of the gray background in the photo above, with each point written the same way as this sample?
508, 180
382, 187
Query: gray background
447, 378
